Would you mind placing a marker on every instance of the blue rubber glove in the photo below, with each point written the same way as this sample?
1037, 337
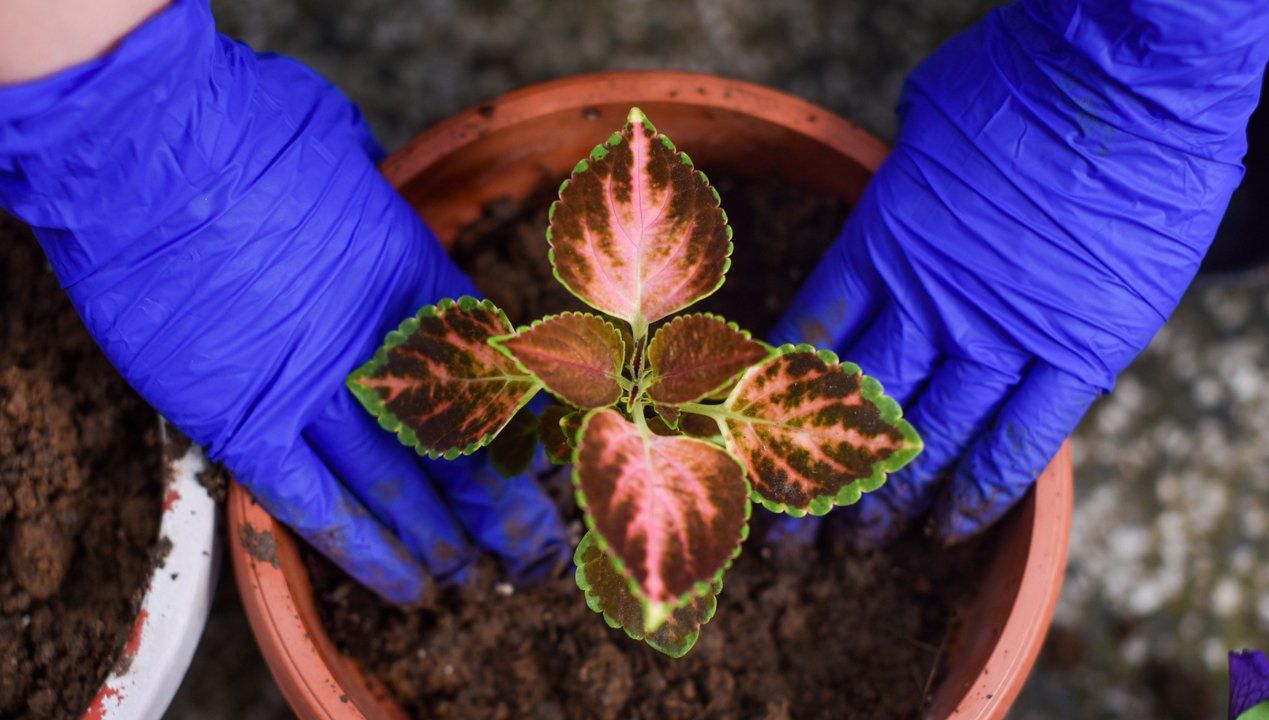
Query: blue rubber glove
1060, 171
220, 225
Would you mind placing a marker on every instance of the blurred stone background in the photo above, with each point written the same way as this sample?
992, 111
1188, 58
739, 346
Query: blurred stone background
1168, 559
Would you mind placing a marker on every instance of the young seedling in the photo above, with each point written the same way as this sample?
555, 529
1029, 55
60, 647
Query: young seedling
672, 432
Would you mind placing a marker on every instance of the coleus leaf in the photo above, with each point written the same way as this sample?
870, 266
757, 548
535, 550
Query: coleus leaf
669, 414
561, 426
813, 433
698, 426
693, 356
512, 450
558, 447
689, 424
637, 231
608, 592
577, 356
721, 393
686, 423
628, 338
659, 426
672, 511
437, 382
572, 425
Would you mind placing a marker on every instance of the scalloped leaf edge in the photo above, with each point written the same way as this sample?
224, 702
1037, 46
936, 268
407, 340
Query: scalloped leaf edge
651, 380
558, 459
664, 411
700, 588
497, 343
592, 602
891, 413
388, 420
601, 151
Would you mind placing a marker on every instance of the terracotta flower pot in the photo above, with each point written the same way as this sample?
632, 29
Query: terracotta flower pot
178, 597
508, 147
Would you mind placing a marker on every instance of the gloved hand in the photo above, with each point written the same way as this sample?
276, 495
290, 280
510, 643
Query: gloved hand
1060, 170
219, 223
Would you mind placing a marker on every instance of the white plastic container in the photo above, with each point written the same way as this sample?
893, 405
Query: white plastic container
153, 661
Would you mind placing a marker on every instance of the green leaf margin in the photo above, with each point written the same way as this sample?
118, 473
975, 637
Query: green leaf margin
669, 414
652, 377
593, 602
374, 404
544, 434
599, 153
891, 413
701, 587
522, 433
497, 343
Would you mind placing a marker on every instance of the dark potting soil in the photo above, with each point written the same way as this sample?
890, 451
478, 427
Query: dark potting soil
781, 232
823, 632
80, 495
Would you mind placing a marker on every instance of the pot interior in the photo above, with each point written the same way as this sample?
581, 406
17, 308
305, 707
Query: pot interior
509, 148
514, 160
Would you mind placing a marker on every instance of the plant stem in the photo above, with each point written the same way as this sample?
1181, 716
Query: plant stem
636, 414
717, 413
636, 369
713, 411
636, 359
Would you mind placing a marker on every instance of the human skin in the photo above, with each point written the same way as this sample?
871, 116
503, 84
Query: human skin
41, 37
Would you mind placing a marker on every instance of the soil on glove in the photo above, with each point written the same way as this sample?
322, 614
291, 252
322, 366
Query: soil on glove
826, 632
80, 495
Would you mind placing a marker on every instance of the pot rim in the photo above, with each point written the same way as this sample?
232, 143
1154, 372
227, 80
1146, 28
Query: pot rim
161, 643
993, 691
667, 87
318, 682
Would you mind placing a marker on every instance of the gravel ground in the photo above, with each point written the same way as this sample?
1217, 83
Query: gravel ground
1167, 568
412, 62
1172, 516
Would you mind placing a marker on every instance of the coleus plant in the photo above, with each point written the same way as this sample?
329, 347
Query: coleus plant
672, 432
